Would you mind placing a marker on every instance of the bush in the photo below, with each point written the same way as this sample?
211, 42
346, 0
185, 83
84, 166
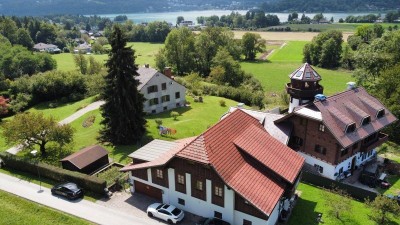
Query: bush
174, 115
222, 103
87, 182
158, 122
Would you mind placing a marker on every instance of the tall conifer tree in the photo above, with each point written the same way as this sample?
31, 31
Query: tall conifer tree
123, 116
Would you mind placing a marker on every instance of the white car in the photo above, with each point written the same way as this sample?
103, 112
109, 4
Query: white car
166, 212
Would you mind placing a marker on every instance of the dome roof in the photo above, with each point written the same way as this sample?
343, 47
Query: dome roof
305, 73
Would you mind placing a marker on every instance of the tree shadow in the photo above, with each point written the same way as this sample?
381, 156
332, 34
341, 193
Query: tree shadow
167, 114
304, 211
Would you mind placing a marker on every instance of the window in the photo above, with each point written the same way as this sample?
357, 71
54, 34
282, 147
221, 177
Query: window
321, 127
164, 86
159, 173
153, 111
217, 215
319, 168
366, 121
218, 191
246, 222
181, 201
380, 113
351, 128
152, 89
181, 179
199, 185
341, 170
344, 152
165, 98
177, 95
153, 101
320, 149
298, 141
165, 108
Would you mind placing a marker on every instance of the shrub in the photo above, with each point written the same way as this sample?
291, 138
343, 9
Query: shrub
174, 115
158, 122
89, 121
222, 103
87, 182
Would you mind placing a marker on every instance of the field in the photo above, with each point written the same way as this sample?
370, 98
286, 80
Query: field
16, 210
273, 73
193, 120
344, 27
312, 201
145, 54
285, 36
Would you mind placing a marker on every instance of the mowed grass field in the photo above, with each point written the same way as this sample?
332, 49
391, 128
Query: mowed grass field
144, 52
312, 201
193, 120
344, 27
274, 73
16, 210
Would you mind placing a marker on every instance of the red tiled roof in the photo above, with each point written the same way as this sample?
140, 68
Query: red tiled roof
270, 152
86, 156
350, 107
254, 184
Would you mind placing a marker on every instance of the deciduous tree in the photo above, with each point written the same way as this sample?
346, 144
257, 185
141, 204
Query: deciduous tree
338, 201
123, 117
251, 45
34, 129
382, 209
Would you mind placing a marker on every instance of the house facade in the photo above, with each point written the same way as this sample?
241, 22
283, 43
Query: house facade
334, 134
162, 93
226, 172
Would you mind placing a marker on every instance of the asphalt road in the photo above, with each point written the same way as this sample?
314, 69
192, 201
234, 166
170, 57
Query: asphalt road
81, 208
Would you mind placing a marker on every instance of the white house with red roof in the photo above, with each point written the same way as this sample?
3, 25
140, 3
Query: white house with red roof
235, 171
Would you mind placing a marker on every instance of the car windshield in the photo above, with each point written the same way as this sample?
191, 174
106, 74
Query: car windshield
158, 207
176, 212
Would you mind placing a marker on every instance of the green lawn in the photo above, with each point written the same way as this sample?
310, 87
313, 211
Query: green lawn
193, 121
345, 27
16, 210
145, 54
312, 202
62, 111
273, 74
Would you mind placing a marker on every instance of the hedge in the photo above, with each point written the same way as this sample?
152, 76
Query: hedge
87, 182
353, 191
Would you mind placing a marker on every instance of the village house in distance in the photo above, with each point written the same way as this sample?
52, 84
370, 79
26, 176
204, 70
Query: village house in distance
235, 171
161, 92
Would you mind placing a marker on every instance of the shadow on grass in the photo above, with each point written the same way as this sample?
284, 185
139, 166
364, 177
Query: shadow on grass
257, 61
304, 213
167, 114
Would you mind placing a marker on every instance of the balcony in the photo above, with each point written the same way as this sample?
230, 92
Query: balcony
305, 93
382, 138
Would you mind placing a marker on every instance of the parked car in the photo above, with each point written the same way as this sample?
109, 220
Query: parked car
69, 190
166, 212
213, 221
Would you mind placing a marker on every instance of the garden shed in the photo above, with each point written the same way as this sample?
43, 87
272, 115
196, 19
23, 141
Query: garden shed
87, 160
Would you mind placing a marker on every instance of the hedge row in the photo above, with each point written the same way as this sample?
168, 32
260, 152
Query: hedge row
355, 192
87, 182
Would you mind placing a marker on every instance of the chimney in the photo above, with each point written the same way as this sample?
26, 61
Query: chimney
146, 65
351, 85
168, 72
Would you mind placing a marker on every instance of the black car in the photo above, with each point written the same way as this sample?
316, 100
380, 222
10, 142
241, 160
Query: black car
69, 190
213, 221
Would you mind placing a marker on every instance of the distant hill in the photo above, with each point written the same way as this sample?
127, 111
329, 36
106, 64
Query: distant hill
48, 7
331, 5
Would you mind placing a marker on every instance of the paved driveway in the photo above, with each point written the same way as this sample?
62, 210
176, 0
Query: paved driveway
136, 204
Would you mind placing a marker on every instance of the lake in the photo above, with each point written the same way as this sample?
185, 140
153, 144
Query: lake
192, 15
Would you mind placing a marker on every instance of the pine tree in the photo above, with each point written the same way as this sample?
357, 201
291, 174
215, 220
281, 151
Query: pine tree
123, 116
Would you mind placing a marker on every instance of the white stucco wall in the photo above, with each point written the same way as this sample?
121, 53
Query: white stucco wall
172, 87
205, 208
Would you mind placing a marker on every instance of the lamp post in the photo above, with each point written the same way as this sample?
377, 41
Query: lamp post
34, 154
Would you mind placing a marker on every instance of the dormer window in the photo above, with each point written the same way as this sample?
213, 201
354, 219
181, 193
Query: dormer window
350, 128
366, 121
380, 113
